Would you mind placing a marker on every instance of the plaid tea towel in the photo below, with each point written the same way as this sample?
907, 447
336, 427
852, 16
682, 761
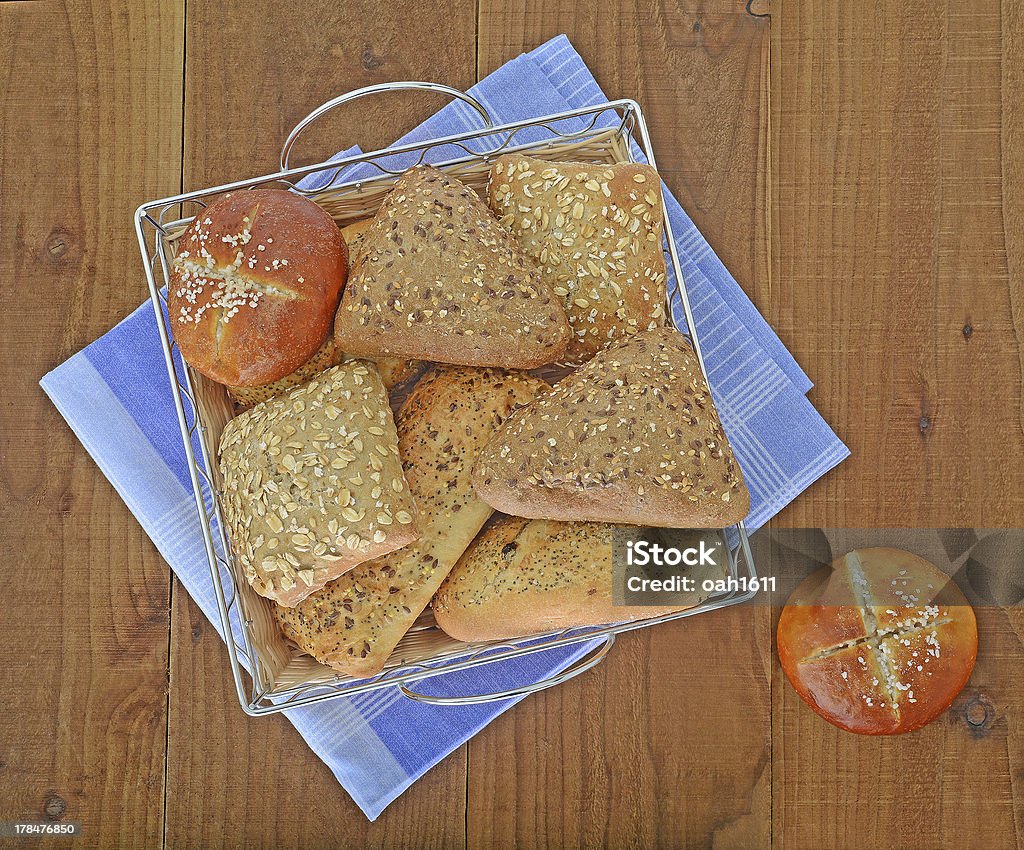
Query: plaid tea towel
116, 397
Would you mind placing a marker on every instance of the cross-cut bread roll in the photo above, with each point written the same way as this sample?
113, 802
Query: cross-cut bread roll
524, 577
393, 371
254, 285
437, 278
354, 623
595, 231
313, 483
879, 643
630, 437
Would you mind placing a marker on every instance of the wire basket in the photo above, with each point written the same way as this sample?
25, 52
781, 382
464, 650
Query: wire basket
270, 673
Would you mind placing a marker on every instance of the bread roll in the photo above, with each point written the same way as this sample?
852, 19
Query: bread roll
354, 623
631, 437
254, 285
392, 370
313, 483
439, 279
879, 643
523, 577
595, 231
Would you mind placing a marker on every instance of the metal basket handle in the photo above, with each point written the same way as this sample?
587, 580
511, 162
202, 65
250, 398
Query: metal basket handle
591, 659
406, 85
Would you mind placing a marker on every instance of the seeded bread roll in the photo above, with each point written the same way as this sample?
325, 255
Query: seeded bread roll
355, 623
313, 484
439, 279
523, 577
880, 643
595, 231
255, 284
394, 371
630, 437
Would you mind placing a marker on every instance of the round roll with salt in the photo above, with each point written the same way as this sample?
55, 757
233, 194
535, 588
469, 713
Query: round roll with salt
880, 643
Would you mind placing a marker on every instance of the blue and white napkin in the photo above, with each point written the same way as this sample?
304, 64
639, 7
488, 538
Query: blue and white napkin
116, 397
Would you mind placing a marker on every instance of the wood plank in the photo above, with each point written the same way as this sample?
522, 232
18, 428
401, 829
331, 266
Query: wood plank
244, 92
87, 135
896, 281
667, 742
893, 239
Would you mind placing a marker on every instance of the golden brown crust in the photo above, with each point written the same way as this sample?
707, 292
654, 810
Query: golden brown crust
254, 285
313, 483
354, 623
823, 611
437, 278
523, 577
868, 664
595, 231
630, 437
849, 686
394, 370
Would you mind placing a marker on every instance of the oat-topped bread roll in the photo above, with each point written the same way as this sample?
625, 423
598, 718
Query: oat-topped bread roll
878, 643
595, 231
631, 437
394, 371
255, 284
528, 576
313, 483
437, 278
355, 623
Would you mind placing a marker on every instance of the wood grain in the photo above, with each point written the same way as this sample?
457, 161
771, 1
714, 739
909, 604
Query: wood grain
225, 768
897, 202
667, 743
894, 240
87, 134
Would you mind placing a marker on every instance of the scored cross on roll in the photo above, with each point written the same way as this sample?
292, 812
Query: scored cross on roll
393, 371
254, 285
879, 643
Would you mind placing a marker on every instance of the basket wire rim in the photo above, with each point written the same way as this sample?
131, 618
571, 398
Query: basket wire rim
262, 699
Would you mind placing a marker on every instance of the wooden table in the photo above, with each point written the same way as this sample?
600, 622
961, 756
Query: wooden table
859, 168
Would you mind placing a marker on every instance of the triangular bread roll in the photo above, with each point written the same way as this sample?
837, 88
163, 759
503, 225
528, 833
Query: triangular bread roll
630, 437
595, 231
438, 278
